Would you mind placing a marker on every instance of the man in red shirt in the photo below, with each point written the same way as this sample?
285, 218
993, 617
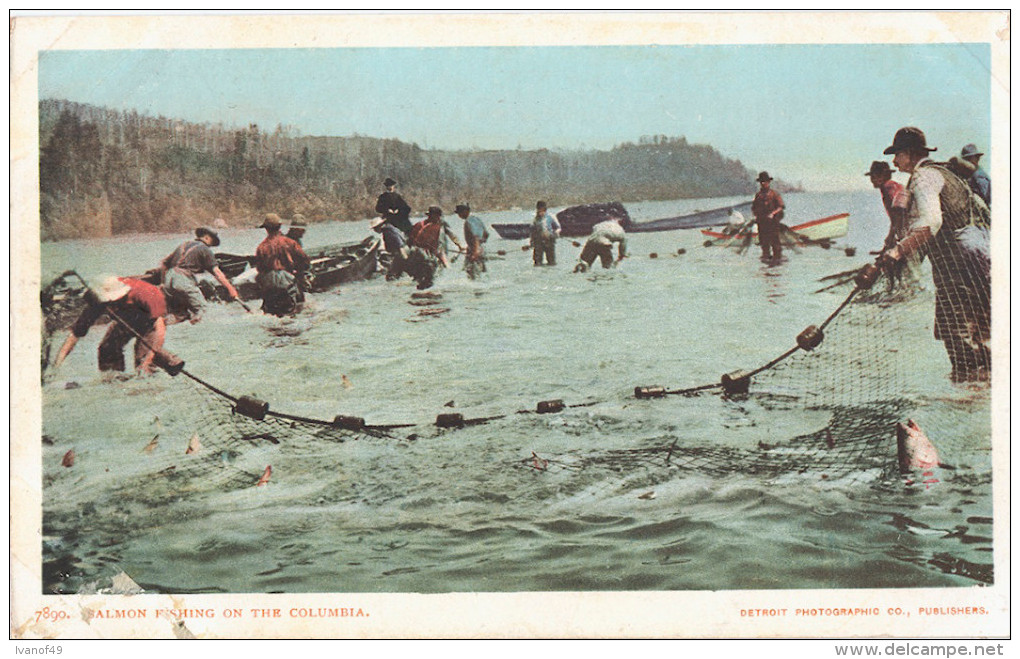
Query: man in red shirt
767, 208
894, 198
139, 308
280, 262
428, 235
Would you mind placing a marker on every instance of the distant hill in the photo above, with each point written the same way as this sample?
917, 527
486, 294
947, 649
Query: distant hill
104, 172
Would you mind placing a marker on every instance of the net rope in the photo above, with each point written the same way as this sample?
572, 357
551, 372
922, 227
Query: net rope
855, 367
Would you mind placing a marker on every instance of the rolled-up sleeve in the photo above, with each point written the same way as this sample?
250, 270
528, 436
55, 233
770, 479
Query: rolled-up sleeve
926, 209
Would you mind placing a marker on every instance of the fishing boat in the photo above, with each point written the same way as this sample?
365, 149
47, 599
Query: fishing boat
330, 266
577, 221
816, 232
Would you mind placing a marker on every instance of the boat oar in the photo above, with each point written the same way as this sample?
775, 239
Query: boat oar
841, 275
243, 305
841, 282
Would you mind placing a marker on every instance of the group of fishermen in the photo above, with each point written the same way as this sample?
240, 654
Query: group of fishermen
942, 213
141, 309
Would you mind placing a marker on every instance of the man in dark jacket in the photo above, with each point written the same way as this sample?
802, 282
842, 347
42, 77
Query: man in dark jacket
392, 207
767, 208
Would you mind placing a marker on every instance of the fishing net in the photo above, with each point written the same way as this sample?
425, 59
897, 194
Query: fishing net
859, 372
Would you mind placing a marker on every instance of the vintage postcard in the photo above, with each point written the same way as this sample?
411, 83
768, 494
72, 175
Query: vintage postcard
510, 325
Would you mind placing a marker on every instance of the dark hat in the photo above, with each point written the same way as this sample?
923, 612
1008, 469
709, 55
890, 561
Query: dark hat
541, 204
908, 138
272, 221
969, 151
879, 167
434, 210
206, 231
462, 207
388, 182
764, 176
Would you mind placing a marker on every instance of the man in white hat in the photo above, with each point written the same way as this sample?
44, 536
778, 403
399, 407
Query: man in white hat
396, 247
136, 308
181, 268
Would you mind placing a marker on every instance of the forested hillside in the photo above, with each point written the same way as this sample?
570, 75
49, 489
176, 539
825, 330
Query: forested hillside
105, 172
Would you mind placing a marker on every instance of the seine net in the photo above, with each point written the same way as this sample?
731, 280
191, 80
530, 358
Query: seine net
860, 371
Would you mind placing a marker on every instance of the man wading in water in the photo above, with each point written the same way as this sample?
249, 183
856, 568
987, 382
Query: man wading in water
280, 263
767, 208
192, 258
949, 223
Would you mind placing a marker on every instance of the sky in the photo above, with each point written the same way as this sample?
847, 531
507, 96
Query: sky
813, 114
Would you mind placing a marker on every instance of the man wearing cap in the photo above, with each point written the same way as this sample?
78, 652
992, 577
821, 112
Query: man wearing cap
768, 209
978, 181
180, 269
393, 209
545, 229
475, 235
946, 221
894, 198
280, 263
135, 307
396, 247
297, 228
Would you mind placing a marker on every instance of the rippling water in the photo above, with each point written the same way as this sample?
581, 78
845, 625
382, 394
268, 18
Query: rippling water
428, 510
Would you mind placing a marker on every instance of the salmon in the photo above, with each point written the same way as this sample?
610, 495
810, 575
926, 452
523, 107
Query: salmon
265, 476
538, 463
151, 446
916, 452
194, 446
68, 460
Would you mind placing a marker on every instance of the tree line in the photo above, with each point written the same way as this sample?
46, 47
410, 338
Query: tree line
104, 172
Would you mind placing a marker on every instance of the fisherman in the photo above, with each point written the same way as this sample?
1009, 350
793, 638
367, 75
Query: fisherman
395, 245
979, 181
280, 263
136, 308
298, 224
600, 244
392, 207
430, 234
768, 208
180, 268
545, 229
475, 235
894, 198
946, 220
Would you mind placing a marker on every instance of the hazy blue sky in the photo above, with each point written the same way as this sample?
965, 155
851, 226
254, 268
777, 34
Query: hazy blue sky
813, 113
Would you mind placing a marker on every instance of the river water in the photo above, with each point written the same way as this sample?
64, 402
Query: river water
525, 502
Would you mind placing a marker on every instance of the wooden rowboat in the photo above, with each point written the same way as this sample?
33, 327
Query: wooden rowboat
821, 231
330, 266
578, 221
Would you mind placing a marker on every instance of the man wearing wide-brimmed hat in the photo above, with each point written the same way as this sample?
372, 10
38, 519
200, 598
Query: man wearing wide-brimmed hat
392, 207
395, 245
768, 209
180, 271
894, 198
298, 224
280, 263
946, 221
139, 308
